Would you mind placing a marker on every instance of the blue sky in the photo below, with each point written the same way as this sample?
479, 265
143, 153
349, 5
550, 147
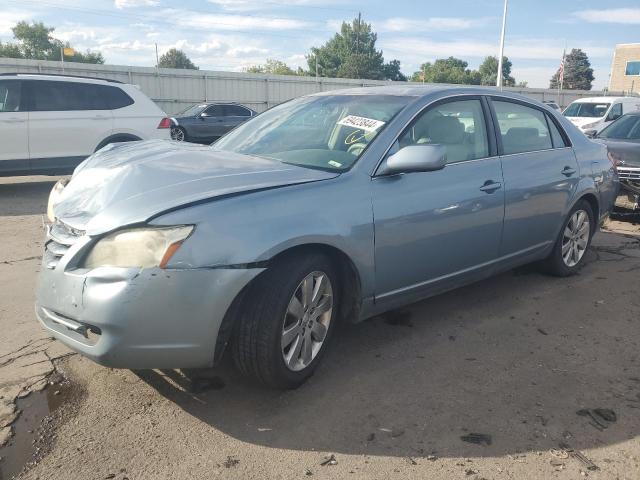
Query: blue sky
233, 34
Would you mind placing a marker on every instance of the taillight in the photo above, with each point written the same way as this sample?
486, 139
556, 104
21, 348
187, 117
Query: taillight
165, 123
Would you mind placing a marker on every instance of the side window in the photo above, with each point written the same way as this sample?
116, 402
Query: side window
457, 125
615, 112
10, 91
556, 137
214, 111
236, 111
523, 129
48, 96
117, 98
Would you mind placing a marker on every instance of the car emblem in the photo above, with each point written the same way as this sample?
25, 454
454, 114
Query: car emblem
622, 162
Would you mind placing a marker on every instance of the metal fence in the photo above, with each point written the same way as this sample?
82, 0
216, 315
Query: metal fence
174, 90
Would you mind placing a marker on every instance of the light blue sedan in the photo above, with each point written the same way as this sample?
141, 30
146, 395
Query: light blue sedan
328, 208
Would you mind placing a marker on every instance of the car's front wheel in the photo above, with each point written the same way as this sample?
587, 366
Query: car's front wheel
289, 315
569, 250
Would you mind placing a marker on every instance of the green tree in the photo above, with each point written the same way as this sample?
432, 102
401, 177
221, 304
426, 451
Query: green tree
175, 58
392, 71
578, 74
272, 67
36, 41
351, 53
447, 70
489, 72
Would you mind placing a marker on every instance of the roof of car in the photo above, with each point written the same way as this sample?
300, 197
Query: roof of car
419, 90
60, 77
605, 99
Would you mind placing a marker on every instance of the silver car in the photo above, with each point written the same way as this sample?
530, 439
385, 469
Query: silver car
332, 207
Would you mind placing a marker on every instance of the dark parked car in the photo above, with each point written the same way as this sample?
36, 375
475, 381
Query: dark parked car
622, 139
205, 122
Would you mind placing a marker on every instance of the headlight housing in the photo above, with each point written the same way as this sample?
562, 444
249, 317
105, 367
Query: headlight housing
137, 247
54, 196
590, 125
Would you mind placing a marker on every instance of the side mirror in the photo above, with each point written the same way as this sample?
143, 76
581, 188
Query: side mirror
203, 115
591, 133
415, 158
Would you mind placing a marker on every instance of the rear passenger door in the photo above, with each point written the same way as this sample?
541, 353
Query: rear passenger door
67, 120
540, 176
210, 124
234, 116
14, 145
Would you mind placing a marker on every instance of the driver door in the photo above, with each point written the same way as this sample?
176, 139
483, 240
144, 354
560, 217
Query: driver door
440, 229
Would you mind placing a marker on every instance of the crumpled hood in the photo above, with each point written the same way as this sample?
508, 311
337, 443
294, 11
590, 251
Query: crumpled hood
129, 183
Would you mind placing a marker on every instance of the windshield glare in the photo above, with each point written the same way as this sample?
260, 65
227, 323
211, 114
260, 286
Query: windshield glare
326, 132
586, 109
626, 128
192, 110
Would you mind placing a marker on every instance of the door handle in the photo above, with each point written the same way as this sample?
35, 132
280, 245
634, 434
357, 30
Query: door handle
100, 117
490, 186
568, 171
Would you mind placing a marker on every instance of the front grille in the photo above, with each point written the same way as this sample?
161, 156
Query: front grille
629, 173
60, 238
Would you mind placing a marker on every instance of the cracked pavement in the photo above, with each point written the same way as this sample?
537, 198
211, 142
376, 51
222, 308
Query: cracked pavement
510, 360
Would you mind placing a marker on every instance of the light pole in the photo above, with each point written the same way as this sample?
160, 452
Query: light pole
504, 23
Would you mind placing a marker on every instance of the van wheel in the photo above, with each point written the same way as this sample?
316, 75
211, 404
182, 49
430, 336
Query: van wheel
573, 242
291, 312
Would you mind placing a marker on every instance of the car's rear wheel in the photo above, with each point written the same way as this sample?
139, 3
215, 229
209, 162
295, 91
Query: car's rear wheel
290, 313
178, 134
573, 242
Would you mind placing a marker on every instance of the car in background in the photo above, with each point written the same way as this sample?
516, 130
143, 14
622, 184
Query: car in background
50, 123
552, 104
206, 122
622, 139
333, 207
596, 113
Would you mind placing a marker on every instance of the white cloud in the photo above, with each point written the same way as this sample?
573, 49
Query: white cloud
121, 4
628, 16
208, 21
8, 20
402, 24
248, 5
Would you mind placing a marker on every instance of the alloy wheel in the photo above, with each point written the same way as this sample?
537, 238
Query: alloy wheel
575, 238
177, 134
307, 320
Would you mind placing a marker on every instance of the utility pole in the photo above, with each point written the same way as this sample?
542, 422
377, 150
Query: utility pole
504, 23
157, 59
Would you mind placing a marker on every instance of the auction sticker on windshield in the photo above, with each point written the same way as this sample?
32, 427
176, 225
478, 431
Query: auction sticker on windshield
363, 123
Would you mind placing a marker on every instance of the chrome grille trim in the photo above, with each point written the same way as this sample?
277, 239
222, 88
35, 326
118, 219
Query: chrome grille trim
628, 173
60, 238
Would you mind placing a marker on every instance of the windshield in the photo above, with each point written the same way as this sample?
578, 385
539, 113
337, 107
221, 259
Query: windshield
586, 109
327, 132
192, 111
626, 127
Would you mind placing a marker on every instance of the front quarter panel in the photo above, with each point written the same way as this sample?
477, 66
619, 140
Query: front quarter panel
255, 227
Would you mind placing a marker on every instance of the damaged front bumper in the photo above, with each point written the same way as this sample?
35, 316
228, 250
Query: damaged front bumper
136, 318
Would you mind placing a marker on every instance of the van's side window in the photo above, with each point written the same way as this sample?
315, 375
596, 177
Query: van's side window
10, 95
52, 96
523, 129
615, 112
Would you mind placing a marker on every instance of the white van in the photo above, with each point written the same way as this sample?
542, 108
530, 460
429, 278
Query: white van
50, 123
595, 113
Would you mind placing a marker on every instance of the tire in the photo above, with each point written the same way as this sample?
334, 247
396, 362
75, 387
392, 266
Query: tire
259, 346
570, 240
178, 134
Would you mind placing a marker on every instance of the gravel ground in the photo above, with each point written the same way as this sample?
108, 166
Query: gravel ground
513, 359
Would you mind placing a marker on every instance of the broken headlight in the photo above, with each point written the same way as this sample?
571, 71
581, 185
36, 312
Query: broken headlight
138, 247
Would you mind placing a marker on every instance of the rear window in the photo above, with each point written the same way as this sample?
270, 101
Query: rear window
52, 96
523, 129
